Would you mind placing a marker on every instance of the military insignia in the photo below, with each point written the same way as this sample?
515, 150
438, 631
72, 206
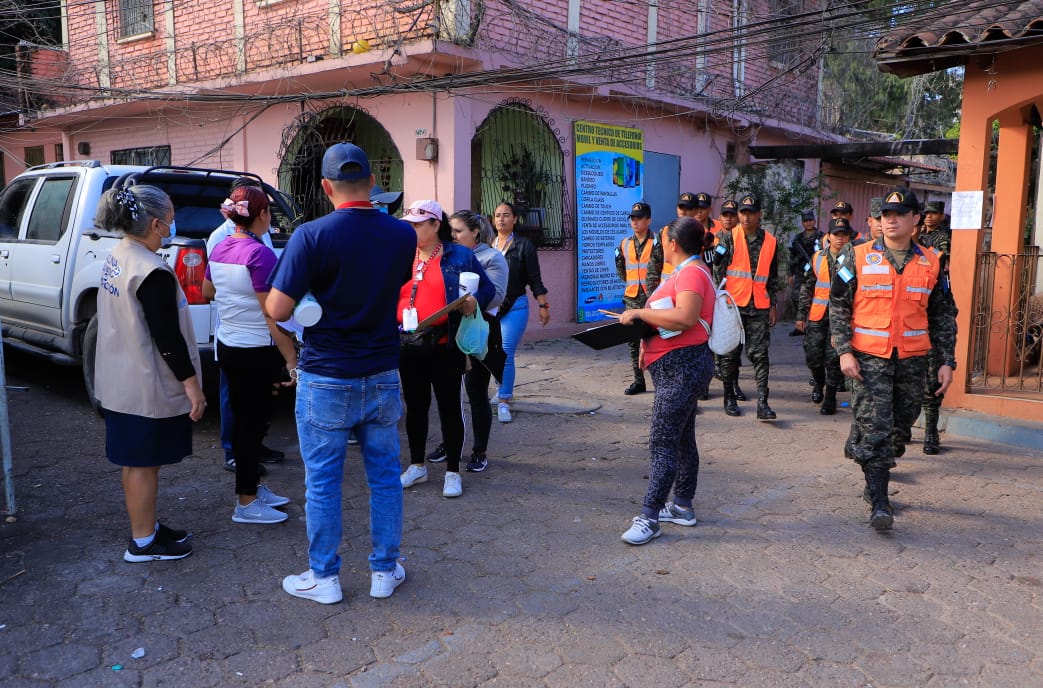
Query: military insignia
686, 197
845, 274
895, 197
702, 197
748, 200
874, 259
924, 261
839, 206
637, 208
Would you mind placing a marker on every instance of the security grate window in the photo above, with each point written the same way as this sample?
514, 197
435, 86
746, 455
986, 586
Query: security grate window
135, 17
782, 48
34, 156
153, 155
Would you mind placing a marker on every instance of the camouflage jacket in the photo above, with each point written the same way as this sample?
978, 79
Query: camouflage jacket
723, 258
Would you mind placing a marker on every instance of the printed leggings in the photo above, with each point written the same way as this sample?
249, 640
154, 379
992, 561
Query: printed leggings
681, 377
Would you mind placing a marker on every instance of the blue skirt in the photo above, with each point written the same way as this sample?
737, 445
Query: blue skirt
146, 442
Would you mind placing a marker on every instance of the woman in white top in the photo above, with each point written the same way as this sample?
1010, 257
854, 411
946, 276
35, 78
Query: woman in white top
251, 350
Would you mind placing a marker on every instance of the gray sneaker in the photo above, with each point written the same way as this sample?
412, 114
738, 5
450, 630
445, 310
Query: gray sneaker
257, 512
671, 513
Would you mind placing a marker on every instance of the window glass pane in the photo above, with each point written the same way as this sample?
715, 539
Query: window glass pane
47, 223
12, 206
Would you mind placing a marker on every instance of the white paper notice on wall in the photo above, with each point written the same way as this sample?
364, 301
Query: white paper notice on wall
966, 209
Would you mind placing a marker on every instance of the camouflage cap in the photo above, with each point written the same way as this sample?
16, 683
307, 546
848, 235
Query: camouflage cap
874, 207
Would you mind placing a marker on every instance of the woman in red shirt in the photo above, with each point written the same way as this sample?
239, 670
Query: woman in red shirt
681, 365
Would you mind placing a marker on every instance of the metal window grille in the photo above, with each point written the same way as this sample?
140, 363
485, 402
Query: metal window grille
135, 17
152, 155
34, 156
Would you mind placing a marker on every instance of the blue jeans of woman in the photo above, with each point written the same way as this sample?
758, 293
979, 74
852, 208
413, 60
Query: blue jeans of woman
328, 409
512, 325
681, 377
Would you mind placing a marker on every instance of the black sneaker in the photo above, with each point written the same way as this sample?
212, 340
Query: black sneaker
230, 466
172, 534
269, 455
159, 549
478, 463
438, 455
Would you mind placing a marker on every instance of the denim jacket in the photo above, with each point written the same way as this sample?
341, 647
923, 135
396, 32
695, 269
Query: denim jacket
457, 259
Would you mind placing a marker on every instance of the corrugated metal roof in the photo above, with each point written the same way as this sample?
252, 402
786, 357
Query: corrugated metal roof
954, 31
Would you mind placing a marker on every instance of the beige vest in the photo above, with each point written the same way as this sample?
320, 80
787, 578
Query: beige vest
129, 374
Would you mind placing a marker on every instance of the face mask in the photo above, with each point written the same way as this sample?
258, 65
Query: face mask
173, 233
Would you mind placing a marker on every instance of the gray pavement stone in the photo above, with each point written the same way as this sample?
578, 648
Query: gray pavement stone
523, 581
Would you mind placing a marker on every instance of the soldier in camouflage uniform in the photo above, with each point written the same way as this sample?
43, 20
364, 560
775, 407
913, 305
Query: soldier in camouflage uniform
639, 263
887, 309
755, 289
937, 236
813, 317
801, 249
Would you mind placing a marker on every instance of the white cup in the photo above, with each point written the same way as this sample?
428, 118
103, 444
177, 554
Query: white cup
308, 311
468, 283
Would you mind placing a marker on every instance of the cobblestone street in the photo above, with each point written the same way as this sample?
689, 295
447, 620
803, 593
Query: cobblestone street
524, 581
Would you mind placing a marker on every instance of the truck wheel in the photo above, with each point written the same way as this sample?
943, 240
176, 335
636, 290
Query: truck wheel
89, 348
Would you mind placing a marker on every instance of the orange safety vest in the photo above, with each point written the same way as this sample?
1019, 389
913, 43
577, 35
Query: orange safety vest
742, 282
668, 268
890, 310
820, 299
637, 267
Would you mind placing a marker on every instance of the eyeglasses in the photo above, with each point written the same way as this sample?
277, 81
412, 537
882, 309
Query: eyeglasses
422, 211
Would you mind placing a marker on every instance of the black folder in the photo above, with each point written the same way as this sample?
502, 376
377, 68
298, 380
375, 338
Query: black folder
613, 334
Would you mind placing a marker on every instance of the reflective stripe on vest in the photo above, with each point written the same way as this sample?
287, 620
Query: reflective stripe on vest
820, 299
889, 311
743, 284
637, 267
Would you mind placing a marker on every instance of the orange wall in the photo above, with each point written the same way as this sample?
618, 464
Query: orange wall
1012, 83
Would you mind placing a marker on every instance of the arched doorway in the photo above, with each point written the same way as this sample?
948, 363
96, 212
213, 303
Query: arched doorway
516, 156
308, 137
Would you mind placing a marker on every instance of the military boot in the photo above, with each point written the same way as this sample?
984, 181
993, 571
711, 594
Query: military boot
764, 411
731, 408
829, 401
882, 516
739, 395
867, 491
930, 432
818, 379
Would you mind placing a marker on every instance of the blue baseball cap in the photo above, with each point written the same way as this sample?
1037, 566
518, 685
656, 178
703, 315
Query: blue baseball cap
338, 159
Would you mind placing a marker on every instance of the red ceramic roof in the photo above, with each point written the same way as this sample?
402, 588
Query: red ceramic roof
950, 32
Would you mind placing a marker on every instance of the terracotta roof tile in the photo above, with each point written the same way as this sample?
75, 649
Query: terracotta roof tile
951, 31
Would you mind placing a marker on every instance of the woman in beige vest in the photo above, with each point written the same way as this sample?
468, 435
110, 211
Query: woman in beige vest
146, 367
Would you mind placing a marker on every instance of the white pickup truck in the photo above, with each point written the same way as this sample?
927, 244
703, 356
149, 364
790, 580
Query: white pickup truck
51, 254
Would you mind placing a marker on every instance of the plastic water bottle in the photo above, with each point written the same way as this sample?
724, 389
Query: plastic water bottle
308, 312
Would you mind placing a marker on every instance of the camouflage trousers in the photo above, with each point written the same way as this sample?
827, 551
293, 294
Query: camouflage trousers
758, 339
635, 347
819, 353
884, 405
931, 384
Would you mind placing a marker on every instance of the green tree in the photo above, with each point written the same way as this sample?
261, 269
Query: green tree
858, 100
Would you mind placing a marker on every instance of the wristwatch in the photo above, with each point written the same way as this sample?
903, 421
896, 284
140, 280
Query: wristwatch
544, 305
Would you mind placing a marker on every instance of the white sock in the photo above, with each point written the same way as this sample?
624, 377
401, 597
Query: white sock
145, 541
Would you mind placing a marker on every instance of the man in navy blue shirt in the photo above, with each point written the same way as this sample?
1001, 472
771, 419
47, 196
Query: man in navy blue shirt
353, 262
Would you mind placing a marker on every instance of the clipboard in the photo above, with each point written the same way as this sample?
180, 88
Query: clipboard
613, 334
444, 310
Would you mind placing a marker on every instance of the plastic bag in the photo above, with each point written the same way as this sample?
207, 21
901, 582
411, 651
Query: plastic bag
472, 337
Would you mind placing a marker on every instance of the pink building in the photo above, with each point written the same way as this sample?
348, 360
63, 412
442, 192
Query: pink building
446, 97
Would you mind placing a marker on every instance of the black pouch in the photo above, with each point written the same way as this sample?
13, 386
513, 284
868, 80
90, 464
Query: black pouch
421, 341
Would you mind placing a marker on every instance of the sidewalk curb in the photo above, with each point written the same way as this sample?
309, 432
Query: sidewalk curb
997, 429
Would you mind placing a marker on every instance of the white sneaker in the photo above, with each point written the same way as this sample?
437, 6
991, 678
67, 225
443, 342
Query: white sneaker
306, 585
503, 412
642, 530
257, 512
413, 475
453, 486
383, 583
265, 495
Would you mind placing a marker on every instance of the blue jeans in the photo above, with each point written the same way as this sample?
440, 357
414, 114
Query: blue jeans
512, 326
328, 409
226, 416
